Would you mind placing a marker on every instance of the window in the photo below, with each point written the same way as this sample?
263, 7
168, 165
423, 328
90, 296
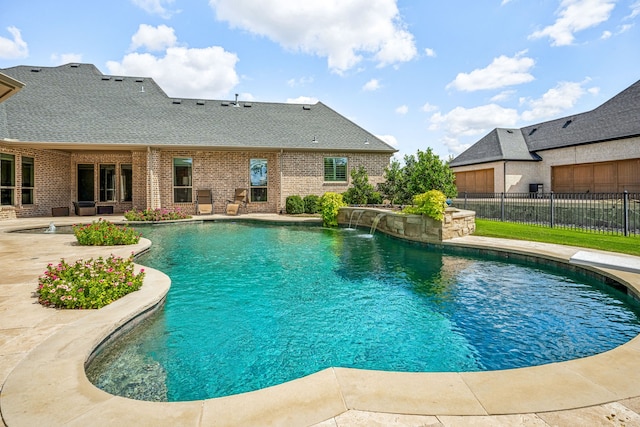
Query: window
126, 183
258, 178
7, 179
182, 180
107, 183
28, 180
335, 169
85, 183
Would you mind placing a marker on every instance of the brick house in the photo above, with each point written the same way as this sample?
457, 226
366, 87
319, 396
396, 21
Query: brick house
75, 134
597, 151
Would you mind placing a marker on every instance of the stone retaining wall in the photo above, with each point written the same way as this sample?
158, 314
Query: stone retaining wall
419, 228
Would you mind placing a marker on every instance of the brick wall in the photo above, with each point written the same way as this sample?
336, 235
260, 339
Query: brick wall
52, 188
302, 173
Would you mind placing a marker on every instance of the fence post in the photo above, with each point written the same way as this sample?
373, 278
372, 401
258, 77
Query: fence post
502, 207
626, 212
552, 213
465, 200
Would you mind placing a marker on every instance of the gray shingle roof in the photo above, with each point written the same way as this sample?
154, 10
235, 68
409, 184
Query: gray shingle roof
76, 103
618, 118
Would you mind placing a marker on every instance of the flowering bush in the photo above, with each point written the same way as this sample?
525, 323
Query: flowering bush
155, 215
88, 284
105, 233
330, 204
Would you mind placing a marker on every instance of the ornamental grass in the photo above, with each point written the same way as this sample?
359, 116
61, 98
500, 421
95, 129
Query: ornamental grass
88, 284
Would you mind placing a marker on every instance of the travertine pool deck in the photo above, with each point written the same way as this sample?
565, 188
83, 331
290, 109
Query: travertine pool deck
43, 352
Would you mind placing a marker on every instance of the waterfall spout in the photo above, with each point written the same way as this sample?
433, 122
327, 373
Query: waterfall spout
51, 229
376, 220
360, 212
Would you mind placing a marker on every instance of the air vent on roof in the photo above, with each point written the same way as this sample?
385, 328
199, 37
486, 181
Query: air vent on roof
176, 101
247, 104
74, 65
224, 103
533, 131
306, 107
139, 80
106, 78
509, 131
199, 102
567, 123
119, 79
36, 70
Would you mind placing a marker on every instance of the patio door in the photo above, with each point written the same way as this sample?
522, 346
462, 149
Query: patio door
86, 183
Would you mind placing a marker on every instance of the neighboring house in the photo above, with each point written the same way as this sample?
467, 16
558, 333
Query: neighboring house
75, 134
597, 151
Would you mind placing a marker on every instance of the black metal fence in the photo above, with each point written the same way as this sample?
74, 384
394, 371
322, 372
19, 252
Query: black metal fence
613, 213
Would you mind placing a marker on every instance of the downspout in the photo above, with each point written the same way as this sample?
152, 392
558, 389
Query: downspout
281, 175
504, 177
148, 178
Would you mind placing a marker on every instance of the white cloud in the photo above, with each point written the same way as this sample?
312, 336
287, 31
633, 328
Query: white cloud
13, 48
575, 16
503, 71
402, 110
302, 81
556, 100
153, 39
66, 58
371, 85
430, 52
156, 7
606, 35
428, 108
302, 100
635, 10
389, 139
182, 72
345, 32
473, 121
503, 96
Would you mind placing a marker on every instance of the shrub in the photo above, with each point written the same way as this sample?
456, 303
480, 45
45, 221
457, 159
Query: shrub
361, 193
155, 215
432, 203
88, 284
105, 233
311, 204
294, 205
330, 204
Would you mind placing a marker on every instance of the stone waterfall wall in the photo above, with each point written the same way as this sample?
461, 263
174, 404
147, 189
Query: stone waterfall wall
419, 228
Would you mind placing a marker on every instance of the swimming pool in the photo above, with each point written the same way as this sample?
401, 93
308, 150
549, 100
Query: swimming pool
253, 306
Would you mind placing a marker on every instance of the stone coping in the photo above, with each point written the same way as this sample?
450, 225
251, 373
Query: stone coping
49, 386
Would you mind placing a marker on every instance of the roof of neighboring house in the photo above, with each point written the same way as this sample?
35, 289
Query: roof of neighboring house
618, 118
75, 105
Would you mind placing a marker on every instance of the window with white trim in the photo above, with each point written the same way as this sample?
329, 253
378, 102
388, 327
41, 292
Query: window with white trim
335, 169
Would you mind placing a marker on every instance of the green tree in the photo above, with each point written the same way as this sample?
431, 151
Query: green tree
422, 172
361, 191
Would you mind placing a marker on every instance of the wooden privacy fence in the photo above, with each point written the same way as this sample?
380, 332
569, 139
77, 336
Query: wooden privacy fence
614, 213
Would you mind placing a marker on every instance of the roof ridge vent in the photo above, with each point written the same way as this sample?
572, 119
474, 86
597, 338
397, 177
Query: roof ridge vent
567, 123
225, 103
306, 107
36, 70
200, 102
106, 78
74, 65
247, 105
119, 79
176, 101
533, 131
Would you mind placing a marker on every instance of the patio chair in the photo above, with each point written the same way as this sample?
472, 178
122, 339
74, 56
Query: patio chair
204, 202
239, 199
85, 208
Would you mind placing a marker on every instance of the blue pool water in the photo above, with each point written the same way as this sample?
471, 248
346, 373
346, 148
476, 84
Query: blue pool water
253, 306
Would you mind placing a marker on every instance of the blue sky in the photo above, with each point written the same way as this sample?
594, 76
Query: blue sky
416, 73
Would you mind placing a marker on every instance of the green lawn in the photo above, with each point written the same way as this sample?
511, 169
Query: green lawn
606, 242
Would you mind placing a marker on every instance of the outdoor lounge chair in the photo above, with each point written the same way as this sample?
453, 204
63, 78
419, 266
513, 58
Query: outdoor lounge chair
85, 208
239, 199
204, 202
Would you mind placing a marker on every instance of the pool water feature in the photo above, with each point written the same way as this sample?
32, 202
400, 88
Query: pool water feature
253, 306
